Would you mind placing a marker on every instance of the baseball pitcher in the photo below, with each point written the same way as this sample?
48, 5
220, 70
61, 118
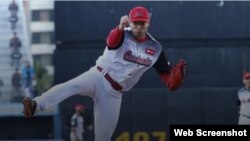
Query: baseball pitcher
130, 51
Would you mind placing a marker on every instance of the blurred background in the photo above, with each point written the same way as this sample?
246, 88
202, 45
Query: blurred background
46, 42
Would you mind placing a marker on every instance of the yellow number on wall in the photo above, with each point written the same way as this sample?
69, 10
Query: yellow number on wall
123, 137
160, 135
141, 136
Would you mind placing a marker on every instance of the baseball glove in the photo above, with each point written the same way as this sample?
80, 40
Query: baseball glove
174, 78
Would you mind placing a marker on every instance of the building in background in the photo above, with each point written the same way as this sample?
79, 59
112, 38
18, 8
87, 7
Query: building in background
41, 17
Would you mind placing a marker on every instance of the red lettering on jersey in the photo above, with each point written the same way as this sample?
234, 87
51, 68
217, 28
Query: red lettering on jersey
150, 51
128, 56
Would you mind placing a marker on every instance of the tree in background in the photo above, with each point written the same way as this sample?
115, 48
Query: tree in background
43, 80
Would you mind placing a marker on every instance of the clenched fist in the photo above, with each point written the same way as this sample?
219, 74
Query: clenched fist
123, 22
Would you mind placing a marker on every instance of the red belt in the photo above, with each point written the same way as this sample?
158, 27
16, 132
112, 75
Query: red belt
112, 82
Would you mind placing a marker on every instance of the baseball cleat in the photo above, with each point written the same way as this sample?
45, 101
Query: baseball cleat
29, 107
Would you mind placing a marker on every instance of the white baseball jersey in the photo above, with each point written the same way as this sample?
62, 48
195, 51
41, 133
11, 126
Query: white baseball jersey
77, 122
244, 98
127, 63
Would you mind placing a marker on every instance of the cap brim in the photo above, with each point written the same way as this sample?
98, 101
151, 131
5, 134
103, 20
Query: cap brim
247, 77
139, 20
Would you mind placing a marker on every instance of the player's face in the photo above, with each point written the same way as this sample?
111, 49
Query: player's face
139, 28
247, 83
79, 110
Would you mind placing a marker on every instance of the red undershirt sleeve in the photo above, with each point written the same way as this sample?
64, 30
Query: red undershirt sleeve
115, 38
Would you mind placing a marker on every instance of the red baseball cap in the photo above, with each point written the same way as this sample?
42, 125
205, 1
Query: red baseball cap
139, 13
246, 75
79, 107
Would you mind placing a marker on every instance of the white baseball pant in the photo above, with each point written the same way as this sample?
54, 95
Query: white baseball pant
107, 101
243, 120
